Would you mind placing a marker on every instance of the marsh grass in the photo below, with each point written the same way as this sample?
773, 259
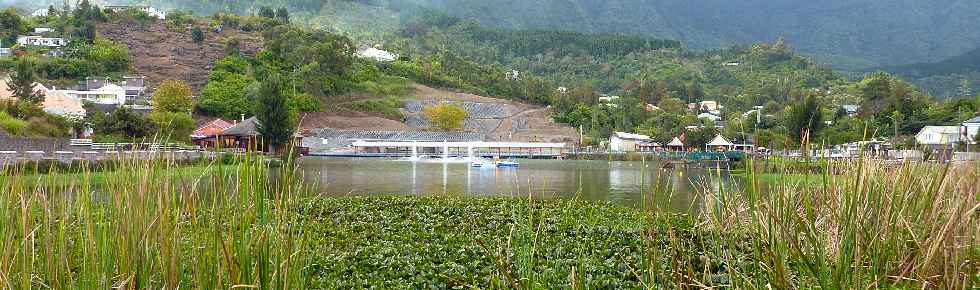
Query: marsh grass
147, 225
873, 224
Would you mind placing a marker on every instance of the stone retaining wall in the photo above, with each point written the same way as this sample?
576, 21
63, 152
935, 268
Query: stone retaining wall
12, 143
13, 157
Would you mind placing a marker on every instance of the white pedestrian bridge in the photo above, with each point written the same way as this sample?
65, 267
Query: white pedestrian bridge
456, 149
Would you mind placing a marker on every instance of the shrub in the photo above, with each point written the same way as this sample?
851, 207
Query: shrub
387, 106
11, 125
446, 116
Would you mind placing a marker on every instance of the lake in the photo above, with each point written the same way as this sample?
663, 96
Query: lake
619, 182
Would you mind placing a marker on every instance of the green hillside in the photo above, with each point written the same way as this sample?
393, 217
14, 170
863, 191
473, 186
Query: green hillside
955, 76
847, 33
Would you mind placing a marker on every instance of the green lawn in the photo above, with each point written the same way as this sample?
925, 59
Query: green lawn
100, 177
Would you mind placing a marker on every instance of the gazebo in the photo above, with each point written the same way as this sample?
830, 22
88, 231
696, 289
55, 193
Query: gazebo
720, 143
675, 145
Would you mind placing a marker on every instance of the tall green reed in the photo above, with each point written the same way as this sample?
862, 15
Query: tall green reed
146, 227
873, 224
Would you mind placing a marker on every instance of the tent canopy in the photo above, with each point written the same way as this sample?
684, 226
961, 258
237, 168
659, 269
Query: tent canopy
720, 141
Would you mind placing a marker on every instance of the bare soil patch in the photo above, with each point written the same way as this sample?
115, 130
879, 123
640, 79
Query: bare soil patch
162, 54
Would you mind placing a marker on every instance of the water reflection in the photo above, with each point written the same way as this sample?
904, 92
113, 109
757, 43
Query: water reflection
626, 183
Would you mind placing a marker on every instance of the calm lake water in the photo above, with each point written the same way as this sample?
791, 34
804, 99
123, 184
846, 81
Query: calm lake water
616, 181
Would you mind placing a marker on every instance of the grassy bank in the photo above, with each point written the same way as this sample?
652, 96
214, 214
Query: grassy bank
871, 226
98, 178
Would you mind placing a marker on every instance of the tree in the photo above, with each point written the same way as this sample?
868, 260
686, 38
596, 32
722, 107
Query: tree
173, 96
88, 32
805, 118
267, 12
172, 105
11, 25
275, 120
282, 14
113, 56
317, 59
122, 122
671, 104
233, 46
197, 35
174, 125
22, 82
225, 94
446, 117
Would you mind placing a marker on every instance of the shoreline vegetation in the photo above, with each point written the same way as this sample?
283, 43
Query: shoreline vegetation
158, 225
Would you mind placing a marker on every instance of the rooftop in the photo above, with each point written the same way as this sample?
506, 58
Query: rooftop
631, 136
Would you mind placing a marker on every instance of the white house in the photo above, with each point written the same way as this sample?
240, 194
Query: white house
5, 52
970, 129
625, 142
40, 12
39, 30
609, 101
42, 41
709, 116
160, 14
710, 106
938, 136
376, 54
109, 94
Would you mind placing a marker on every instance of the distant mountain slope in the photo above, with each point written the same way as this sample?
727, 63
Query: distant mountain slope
967, 62
953, 77
850, 33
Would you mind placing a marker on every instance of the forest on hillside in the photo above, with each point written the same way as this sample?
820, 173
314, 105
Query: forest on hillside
955, 76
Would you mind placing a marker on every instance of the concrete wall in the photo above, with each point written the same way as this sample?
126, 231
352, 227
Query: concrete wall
11, 143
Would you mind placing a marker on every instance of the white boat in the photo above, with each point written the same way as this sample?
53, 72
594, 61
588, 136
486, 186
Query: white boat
482, 163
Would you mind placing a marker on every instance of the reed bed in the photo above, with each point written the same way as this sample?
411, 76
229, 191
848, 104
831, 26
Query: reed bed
858, 225
143, 226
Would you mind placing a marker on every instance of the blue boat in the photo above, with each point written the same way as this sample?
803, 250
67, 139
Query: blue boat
508, 163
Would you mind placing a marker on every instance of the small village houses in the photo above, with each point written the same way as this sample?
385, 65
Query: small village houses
628, 142
149, 10
33, 40
109, 94
206, 135
938, 137
943, 137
